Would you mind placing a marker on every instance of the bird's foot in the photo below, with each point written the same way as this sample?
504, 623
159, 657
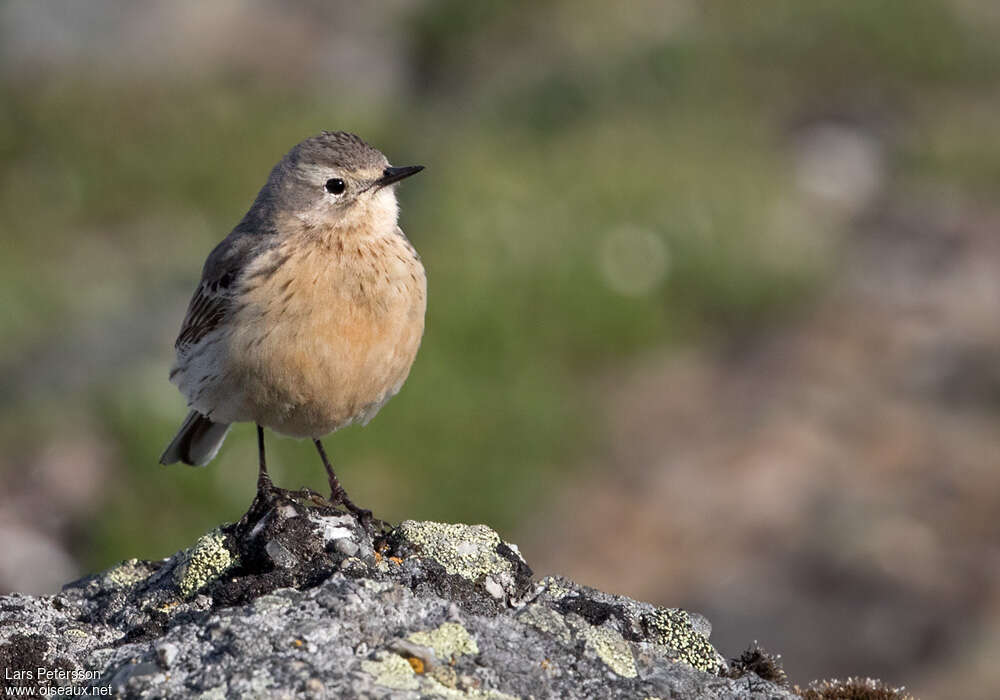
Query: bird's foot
268, 493
307, 494
338, 497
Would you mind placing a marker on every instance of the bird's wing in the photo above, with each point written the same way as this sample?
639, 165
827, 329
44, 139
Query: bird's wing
215, 298
210, 305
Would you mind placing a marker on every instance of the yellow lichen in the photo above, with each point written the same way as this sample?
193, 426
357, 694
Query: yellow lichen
445, 675
554, 588
610, 647
128, 573
547, 620
392, 671
448, 641
434, 679
468, 551
206, 561
673, 629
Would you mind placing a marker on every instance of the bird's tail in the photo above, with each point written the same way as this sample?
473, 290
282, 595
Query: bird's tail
196, 442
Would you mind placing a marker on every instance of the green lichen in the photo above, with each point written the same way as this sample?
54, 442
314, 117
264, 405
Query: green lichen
445, 675
672, 628
74, 634
466, 550
128, 573
610, 647
205, 562
392, 671
449, 641
546, 620
270, 603
613, 650
554, 588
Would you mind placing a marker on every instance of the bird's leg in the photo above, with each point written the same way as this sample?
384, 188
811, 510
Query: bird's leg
337, 493
264, 485
266, 493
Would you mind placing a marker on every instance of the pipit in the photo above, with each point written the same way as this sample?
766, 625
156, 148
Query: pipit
309, 313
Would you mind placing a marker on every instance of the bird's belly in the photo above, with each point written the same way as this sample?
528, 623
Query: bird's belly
331, 375
327, 351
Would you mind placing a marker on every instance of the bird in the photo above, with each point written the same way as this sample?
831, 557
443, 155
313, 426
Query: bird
309, 314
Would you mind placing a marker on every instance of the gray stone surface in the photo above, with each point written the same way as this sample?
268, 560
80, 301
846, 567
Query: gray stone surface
298, 600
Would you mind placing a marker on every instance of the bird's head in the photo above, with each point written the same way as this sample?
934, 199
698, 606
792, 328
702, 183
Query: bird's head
337, 181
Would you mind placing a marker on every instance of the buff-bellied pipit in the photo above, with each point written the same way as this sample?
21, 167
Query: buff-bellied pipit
309, 314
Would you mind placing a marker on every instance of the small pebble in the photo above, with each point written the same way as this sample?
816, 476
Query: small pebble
167, 653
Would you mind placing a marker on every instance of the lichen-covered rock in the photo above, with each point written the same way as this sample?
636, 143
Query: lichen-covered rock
298, 600
468, 564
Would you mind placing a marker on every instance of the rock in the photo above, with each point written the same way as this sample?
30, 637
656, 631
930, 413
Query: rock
166, 653
298, 600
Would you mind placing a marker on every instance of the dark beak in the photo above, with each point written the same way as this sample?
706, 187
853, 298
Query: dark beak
391, 174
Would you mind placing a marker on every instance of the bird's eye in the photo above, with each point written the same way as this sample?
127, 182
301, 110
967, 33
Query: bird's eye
335, 186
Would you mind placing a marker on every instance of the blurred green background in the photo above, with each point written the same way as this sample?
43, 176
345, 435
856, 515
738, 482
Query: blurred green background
613, 192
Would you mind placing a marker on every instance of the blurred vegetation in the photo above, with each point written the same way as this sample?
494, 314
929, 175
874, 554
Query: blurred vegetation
547, 129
